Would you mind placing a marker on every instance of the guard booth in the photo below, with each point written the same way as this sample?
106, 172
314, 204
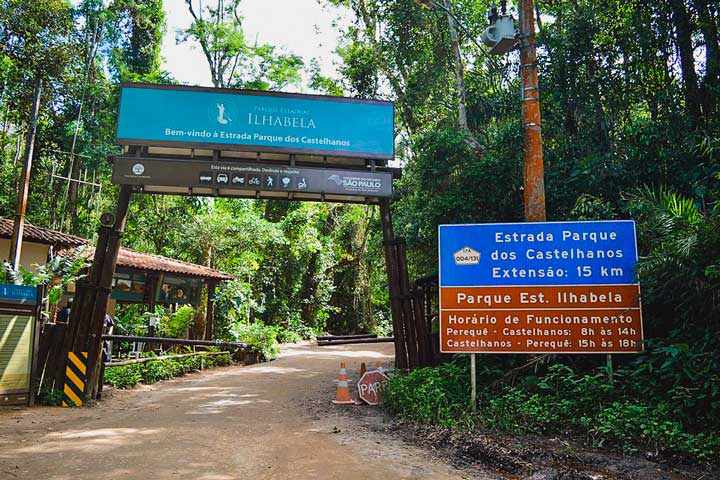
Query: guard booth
213, 142
19, 322
142, 278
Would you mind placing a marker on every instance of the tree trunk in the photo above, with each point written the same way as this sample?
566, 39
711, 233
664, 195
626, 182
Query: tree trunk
460, 79
683, 30
709, 29
406, 113
24, 180
310, 280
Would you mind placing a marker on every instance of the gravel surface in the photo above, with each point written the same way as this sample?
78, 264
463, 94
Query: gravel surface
265, 421
276, 421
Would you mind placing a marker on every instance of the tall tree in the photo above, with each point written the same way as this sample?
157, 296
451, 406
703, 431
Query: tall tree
34, 36
684, 33
233, 63
139, 27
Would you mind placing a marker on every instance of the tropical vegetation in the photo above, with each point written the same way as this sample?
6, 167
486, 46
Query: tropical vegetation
629, 93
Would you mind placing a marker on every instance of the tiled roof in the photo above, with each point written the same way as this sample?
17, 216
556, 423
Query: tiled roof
127, 258
41, 235
145, 261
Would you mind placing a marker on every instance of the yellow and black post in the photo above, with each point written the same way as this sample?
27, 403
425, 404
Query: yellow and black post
75, 378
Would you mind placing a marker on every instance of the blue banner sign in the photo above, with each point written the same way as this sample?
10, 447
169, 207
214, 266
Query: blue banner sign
18, 294
552, 253
255, 121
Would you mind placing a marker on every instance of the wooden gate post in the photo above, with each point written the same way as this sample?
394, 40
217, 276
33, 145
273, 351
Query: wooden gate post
401, 361
424, 346
407, 308
85, 327
96, 317
210, 310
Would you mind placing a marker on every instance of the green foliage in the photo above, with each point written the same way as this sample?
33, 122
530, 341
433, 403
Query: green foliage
128, 376
285, 335
130, 320
51, 398
61, 271
233, 62
631, 414
37, 33
629, 424
175, 325
262, 338
588, 207
432, 395
383, 328
139, 26
682, 260
125, 376
299, 329
19, 277
686, 379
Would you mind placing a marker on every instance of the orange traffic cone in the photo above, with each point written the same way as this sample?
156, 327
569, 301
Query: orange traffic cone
380, 367
342, 396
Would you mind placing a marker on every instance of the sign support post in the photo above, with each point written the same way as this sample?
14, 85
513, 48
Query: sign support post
473, 384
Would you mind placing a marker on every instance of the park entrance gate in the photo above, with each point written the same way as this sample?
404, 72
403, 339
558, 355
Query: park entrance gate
247, 144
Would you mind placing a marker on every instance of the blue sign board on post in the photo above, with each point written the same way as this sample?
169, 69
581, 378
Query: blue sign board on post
255, 121
539, 287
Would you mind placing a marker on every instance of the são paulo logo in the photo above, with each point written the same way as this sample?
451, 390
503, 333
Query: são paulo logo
467, 256
353, 183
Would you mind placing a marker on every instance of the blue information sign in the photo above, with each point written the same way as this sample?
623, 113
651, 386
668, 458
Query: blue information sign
551, 253
255, 121
17, 294
554, 287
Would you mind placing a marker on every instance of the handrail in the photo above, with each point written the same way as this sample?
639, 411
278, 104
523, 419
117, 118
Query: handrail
134, 361
176, 341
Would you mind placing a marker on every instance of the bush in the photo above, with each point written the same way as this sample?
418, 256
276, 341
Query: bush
176, 325
262, 338
51, 398
286, 335
296, 325
623, 415
128, 376
432, 395
125, 376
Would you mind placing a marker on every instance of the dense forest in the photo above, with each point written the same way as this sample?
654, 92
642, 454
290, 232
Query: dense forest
630, 94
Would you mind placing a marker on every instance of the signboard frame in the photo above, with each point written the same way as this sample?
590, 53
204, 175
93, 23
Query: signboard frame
474, 258
203, 177
120, 140
30, 309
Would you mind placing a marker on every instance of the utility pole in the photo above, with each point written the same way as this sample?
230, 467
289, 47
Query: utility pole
24, 181
500, 36
534, 182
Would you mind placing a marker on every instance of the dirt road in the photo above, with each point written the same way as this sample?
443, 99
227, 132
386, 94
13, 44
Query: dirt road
265, 421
